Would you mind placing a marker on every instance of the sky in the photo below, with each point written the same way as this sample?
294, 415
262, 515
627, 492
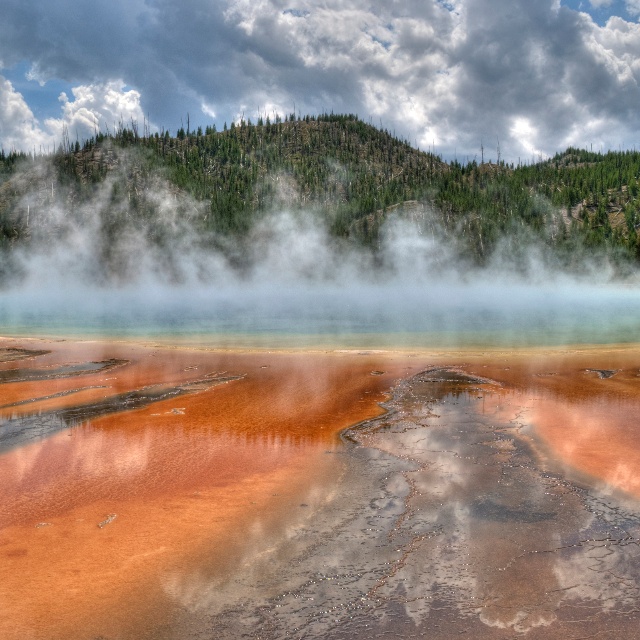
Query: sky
525, 78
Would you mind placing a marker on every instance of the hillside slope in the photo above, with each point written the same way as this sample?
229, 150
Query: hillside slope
350, 176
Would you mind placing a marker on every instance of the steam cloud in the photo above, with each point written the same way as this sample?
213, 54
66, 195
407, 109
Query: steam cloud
96, 267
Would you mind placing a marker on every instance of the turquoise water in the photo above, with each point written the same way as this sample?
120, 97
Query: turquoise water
383, 317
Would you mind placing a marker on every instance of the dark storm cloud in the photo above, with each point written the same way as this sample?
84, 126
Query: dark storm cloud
79, 41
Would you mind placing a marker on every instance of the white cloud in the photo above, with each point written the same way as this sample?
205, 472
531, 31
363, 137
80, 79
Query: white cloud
19, 128
633, 7
97, 107
207, 110
93, 107
524, 133
36, 75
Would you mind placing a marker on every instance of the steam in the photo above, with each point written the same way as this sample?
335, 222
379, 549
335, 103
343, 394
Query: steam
133, 259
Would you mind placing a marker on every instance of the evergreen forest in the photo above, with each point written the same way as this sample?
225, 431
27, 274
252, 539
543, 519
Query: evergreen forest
348, 174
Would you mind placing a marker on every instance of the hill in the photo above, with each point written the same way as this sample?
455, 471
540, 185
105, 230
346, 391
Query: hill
349, 175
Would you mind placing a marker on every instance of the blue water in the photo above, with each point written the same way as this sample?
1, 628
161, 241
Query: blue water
418, 317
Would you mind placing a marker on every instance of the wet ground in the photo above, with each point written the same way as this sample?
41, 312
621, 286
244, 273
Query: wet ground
449, 525
115, 481
497, 497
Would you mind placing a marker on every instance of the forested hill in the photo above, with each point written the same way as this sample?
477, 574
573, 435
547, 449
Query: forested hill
349, 174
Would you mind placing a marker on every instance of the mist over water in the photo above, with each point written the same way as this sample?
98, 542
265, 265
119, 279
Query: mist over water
290, 283
380, 532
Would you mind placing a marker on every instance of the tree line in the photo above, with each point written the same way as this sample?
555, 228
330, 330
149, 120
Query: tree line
348, 173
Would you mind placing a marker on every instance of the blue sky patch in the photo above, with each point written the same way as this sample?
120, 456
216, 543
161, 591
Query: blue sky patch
43, 100
603, 13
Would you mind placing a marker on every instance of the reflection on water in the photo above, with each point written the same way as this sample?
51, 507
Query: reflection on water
113, 484
488, 500
30, 375
471, 535
15, 431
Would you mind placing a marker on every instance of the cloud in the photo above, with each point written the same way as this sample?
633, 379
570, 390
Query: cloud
94, 107
19, 129
633, 7
452, 74
97, 107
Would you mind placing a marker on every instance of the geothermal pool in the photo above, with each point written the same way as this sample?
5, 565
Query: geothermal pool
171, 491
